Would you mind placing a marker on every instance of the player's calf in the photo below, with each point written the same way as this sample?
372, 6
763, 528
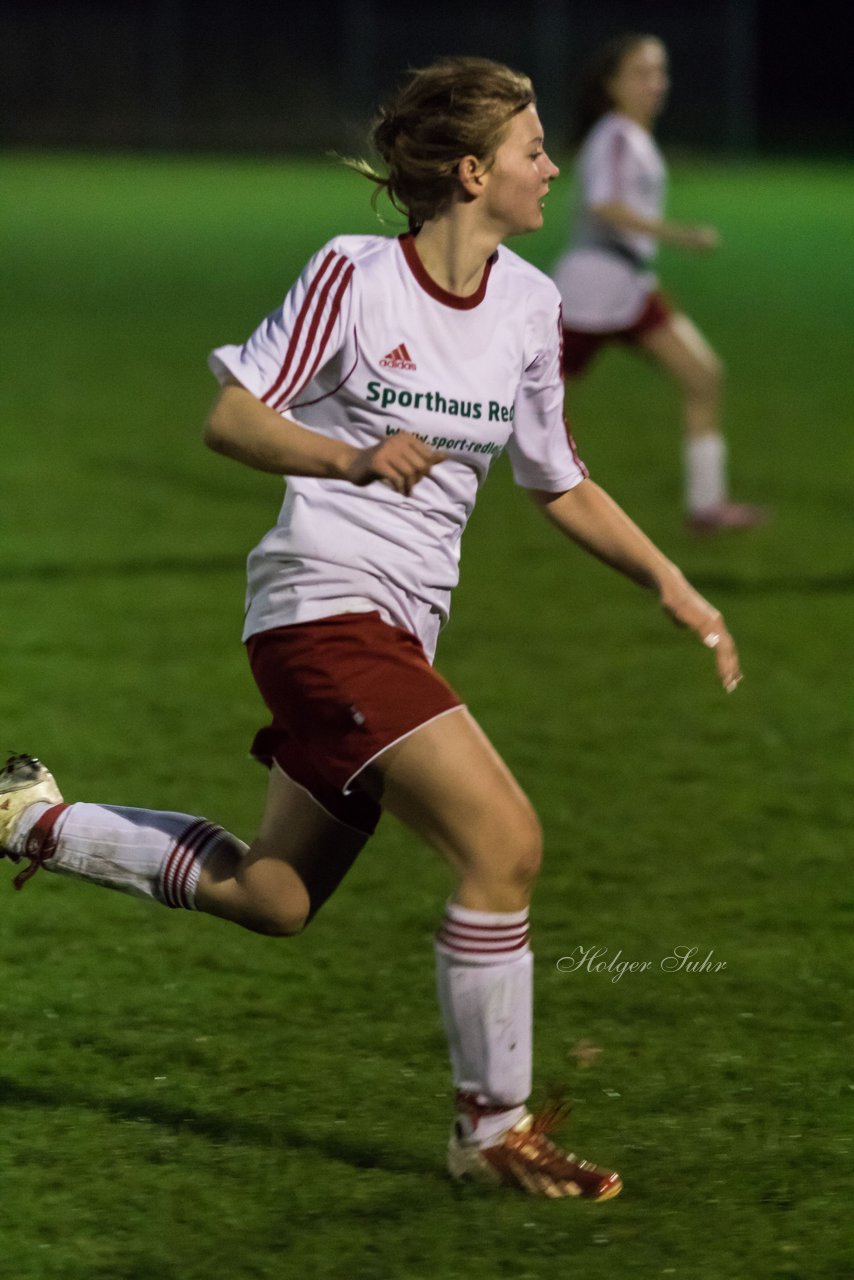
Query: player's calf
259, 892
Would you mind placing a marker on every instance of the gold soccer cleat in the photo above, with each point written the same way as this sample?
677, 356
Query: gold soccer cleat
525, 1158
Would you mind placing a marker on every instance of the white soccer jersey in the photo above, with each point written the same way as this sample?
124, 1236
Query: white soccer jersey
606, 276
365, 345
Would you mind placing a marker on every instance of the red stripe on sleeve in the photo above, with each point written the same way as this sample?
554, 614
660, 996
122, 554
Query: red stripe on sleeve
333, 315
297, 378
304, 310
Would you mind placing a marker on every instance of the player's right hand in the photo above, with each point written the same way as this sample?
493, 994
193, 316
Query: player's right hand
399, 461
703, 238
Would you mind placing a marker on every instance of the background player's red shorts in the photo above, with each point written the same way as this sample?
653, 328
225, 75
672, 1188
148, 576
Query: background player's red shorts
341, 690
580, 346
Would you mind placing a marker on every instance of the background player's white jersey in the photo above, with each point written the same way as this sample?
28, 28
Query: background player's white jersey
606, 276
365, 345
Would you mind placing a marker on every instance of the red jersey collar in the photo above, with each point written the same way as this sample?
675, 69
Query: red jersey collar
429, 285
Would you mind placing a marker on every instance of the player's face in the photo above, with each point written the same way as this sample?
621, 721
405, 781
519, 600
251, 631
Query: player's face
518, 179
641, 82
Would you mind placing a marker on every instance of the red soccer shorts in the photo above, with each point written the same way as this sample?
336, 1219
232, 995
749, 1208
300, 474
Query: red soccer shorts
341, 690
580, 346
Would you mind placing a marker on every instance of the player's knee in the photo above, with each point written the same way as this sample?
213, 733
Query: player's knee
530, 857
522, 852
708, 378
278, 903
274, 897
279, 919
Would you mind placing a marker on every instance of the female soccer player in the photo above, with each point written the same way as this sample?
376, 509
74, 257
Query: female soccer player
607, 280
391, 375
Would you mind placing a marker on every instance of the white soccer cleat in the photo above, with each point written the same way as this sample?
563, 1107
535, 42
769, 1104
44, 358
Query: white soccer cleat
23, 781
526, 1159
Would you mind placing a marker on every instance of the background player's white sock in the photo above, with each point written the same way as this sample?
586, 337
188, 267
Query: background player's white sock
138, 851
705, 473
484, 979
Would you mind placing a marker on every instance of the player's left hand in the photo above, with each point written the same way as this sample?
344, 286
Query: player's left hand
687, 608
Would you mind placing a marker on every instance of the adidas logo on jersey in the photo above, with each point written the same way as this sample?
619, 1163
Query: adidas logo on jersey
398, 359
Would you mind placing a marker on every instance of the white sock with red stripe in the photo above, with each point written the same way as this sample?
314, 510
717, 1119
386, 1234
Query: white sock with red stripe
705, 473
139, 851
484, 980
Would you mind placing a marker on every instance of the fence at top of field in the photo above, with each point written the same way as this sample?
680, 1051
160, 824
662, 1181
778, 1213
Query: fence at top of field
223, 75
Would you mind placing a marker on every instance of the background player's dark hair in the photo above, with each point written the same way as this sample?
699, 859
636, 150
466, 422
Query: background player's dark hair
454, 108
593, 99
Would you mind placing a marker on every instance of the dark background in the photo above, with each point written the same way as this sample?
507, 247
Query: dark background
749, 76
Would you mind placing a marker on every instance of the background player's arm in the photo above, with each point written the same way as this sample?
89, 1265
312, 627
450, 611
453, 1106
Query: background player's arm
623, 218
592, 519
243, 428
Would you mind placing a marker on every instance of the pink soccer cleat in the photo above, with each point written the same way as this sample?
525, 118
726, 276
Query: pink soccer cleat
728, 516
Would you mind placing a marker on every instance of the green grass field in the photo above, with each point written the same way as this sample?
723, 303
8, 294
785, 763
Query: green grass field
182, 1100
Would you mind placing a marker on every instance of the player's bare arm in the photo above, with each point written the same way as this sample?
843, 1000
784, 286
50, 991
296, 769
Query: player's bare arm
241, 427
591, 518
683, 235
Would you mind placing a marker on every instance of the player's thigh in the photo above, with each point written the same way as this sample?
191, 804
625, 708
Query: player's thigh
679, 346
299, 856
447, 782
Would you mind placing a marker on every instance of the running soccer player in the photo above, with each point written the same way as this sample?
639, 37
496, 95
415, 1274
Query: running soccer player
393, 373
607, 278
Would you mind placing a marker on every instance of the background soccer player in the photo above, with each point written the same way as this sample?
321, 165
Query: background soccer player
607, 281
393, 373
